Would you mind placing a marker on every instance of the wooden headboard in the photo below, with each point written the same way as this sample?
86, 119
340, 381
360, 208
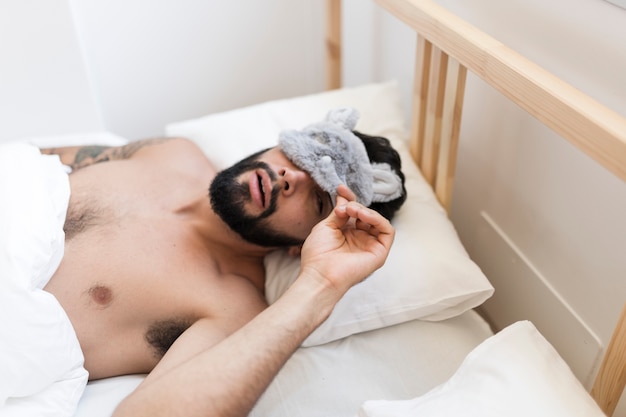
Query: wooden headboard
448, 47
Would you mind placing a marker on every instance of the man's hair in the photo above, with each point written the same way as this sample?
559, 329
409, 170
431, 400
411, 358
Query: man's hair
379, 150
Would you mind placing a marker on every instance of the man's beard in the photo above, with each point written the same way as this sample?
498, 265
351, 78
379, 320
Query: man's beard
228, 199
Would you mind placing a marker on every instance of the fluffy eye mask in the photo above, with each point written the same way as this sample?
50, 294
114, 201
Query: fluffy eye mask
333, 155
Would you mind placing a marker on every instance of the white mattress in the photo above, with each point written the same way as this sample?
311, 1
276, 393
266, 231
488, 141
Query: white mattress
397, 362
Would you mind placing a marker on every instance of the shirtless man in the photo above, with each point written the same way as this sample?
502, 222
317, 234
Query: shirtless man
155, 281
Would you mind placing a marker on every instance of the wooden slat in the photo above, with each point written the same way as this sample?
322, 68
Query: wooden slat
595, 129
333, 44
420, 97
434, 111
450, 128
611, 378
439, 87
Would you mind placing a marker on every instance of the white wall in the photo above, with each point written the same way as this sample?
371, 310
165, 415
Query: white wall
155, 62
43, 84
564, 212
527, 205
132, 66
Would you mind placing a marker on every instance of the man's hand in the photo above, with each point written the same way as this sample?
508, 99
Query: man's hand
350, 244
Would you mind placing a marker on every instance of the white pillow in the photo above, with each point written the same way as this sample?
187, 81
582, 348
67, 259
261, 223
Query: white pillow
513, 373
428, 274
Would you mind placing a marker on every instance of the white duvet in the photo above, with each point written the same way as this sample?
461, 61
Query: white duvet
41, 363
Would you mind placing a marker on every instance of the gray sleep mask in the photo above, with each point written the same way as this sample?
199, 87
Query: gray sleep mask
333, 155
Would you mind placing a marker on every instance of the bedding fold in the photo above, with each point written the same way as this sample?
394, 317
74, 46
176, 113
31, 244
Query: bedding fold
41, 363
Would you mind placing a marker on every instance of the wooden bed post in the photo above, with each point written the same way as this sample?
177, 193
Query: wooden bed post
333, 44
611, 378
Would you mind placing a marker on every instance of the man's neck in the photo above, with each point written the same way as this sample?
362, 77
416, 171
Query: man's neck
232, 254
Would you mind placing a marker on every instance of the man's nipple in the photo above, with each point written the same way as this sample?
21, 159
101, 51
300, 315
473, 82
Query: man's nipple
101, 295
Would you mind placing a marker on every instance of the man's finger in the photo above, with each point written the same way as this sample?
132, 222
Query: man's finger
372, 218
344, 196
346, 193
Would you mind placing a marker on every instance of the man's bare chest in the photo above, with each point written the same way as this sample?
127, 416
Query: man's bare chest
139, 285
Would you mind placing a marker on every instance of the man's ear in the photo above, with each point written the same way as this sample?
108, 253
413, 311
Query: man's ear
294, 250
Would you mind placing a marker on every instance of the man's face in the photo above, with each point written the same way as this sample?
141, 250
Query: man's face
269, 201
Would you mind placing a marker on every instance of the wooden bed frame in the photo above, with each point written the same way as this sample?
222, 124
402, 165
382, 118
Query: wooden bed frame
447, 47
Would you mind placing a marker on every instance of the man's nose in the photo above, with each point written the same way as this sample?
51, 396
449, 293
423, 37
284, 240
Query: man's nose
291, 179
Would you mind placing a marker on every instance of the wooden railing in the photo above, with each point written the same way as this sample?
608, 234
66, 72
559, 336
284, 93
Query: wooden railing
448, 47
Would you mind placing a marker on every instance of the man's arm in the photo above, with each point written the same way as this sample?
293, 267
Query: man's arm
227, 379
82, 156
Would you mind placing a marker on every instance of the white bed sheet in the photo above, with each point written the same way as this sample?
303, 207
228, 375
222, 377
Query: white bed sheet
334, 379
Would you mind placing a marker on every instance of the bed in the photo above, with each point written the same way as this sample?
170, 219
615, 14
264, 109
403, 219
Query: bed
410, 340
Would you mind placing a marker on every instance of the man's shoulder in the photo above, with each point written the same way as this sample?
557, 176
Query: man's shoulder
178, 152
165, 146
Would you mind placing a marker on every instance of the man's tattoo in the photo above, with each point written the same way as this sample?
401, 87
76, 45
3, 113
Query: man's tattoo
89, 155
